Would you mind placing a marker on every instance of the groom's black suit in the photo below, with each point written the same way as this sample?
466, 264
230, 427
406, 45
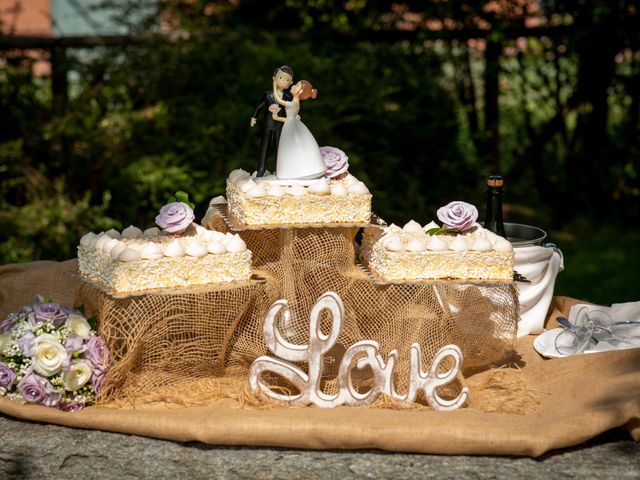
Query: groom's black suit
271, 127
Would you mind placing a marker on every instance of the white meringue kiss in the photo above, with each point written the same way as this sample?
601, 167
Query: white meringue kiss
113, 233
481, 244
412, 227
459, 244
196, 249
117, 250
256, 191
109, 244
215, 247
131, 232
236, 175
151, 232
245, 184
393, 243
502, 245
129, 255
219, 200
236, 245
338, 190
321, 187
430, 225
358, 188
101, 240
416, 244
438, 244
297, 190
151, 251
174, 249
86, 239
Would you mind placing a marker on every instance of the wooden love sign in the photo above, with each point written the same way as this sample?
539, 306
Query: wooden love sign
309, 383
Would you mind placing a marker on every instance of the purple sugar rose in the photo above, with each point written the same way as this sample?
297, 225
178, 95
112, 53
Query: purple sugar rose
175, 217
27, 345
7, 376
71, 406
336, 160
73, 343
50, 311
31, 387
97, 353
9, 321
458, 216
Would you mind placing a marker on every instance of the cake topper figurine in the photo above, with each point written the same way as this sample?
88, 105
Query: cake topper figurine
299, 156
282, 80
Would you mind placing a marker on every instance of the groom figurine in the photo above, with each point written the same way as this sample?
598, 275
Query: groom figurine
283, 78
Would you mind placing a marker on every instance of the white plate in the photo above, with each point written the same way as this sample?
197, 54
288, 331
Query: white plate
544, 344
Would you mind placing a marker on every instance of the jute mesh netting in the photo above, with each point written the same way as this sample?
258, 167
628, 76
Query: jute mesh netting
165, 341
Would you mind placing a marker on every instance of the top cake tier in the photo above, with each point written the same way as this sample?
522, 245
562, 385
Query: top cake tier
325, 201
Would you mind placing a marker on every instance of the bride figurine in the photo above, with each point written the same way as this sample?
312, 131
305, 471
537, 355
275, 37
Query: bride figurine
299, 156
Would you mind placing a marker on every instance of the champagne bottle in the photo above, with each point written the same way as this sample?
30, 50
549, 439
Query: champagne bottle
493, 221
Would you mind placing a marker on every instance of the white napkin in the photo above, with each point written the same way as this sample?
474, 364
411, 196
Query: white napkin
540, 265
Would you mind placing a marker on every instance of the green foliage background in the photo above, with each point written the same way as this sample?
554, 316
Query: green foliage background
144, 121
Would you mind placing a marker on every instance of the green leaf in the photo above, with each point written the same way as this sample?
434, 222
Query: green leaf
440, 231
182, 196
93, 323
82, 309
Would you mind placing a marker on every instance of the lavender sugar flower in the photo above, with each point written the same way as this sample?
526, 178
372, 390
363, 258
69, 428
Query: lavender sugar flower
175, 217
458, 216
336, 160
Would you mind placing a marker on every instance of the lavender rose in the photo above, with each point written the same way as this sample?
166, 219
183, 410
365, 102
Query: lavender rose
96, 381
458, 216
50, 311
31, 387
71, 406
336, 160
52, 395
175, 217
26, 344
97, 353
9, 321
73, 343
7, 376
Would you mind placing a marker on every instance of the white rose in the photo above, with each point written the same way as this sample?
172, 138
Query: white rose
78, 375
5, 343
79, 325
49, 356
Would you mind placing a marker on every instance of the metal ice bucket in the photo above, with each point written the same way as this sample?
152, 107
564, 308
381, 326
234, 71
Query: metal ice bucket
521, 235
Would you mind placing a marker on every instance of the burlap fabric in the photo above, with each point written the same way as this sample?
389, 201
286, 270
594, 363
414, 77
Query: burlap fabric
169, 340
573, 399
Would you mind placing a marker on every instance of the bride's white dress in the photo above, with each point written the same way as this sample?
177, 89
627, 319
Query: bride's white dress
299, 156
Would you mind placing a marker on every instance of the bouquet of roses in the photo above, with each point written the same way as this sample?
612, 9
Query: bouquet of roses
50, 355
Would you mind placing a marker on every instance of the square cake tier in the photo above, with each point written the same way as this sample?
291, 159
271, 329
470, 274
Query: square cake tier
159, 261
323, 201
393, 254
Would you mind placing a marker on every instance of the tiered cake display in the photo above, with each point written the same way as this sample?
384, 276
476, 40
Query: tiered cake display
295, 231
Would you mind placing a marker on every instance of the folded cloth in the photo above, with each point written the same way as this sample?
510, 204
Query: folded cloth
541, 266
